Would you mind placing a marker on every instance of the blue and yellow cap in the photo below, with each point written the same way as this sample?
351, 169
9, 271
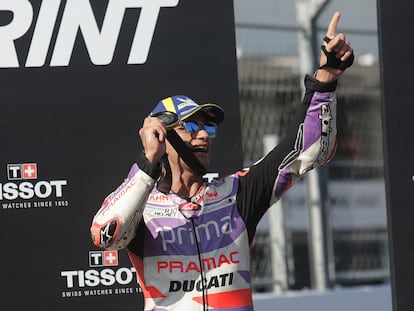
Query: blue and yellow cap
185, 107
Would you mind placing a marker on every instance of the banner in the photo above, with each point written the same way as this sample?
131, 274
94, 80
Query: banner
77, 78
396, 69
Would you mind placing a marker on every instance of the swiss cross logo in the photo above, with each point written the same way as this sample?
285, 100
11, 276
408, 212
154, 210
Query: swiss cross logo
22, 171
29, 171
103, 258
111, 258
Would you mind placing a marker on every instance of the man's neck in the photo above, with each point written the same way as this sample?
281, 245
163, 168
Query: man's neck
186, 185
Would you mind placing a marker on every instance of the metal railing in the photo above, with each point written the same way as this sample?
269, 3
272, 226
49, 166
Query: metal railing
269, 87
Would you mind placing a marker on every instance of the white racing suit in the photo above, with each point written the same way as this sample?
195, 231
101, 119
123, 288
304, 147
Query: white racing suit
194, 255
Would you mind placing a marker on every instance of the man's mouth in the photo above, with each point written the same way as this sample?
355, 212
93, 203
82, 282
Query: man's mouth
199, 149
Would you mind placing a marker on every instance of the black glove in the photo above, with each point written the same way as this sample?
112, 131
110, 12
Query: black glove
334, 62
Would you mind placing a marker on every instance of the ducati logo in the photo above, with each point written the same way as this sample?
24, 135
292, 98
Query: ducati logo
77, 18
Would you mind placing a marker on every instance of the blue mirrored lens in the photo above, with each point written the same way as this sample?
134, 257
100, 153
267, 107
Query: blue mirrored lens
211, 129
193, 127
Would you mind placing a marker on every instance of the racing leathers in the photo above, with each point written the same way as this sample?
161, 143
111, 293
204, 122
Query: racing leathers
193, 254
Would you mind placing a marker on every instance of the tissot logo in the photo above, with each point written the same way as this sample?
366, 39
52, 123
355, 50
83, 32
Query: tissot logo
77, 17
22, 171
103, 258
22, 184
102, 272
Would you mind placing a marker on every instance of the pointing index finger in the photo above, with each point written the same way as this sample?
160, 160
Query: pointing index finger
330, 33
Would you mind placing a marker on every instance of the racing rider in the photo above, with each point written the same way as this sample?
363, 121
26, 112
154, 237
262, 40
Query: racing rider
189, 239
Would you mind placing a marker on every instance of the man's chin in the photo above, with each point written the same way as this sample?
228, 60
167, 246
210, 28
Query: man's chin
203, 159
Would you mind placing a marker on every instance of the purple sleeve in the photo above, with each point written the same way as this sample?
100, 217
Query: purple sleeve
310, 141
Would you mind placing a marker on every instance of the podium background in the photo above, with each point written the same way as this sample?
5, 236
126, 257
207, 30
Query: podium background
79, 125
397, 67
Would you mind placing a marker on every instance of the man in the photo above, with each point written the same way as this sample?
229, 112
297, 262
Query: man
188, 239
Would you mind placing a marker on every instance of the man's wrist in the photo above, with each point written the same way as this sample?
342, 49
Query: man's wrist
153, 170
327, 75
313, 84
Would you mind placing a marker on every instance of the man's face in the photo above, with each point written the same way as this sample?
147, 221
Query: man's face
196, 133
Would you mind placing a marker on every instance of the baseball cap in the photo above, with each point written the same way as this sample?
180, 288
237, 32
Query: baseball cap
185, 107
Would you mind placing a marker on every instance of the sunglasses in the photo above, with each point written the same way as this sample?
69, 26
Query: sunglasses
170, 121
193, 127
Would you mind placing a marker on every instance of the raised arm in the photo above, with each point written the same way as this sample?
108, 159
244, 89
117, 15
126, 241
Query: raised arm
311, 137
114, 225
